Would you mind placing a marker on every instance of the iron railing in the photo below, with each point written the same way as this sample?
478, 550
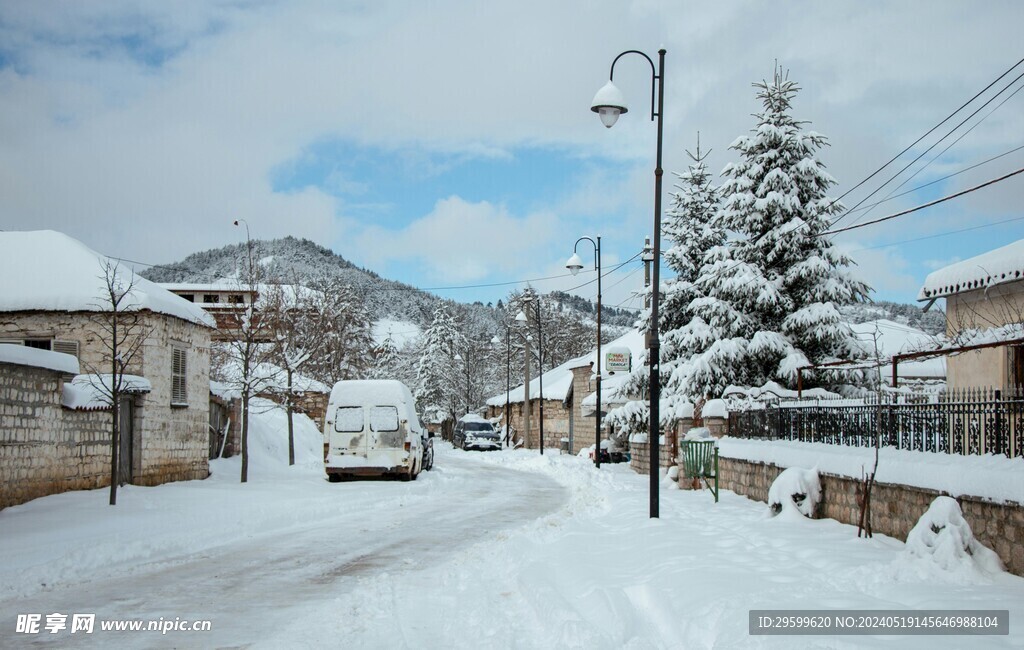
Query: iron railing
973, 421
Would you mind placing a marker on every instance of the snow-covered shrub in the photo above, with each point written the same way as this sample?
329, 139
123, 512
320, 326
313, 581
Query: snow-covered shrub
942, 535
795, 491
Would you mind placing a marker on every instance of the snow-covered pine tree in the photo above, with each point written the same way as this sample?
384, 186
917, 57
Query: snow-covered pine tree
771, 294
436, 374
690, 229
386, 358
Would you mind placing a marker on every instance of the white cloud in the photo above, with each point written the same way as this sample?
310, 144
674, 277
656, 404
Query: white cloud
151, 150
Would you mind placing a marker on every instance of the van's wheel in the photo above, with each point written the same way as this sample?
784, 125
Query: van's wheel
334, 478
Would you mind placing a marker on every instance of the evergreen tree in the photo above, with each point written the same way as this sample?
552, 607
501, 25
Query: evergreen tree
437, 377
386, 359
768, 300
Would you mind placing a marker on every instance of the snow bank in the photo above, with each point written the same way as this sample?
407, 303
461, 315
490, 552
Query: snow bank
943, 536
991, 477
795, 492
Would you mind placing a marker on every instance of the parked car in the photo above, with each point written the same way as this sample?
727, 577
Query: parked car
371, 429
474, 432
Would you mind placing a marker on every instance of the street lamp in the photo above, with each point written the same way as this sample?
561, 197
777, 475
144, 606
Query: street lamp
527, 300
609, 104
575, 264
508, 376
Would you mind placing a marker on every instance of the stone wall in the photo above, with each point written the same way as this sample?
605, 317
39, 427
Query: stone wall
640, 457
45, 448
895, 508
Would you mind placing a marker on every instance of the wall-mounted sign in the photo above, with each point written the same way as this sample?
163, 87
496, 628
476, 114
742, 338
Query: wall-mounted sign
618, 360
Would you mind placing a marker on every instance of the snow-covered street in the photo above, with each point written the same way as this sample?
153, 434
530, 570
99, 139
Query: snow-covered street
500, 549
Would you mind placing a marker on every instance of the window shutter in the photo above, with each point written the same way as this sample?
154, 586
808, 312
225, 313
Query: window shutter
179, 372
66, 347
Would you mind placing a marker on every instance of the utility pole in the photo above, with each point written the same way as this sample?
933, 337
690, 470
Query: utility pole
526, 391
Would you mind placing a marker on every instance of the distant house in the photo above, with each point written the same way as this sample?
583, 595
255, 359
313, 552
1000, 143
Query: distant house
223, 300
51, 299
984, 311
569, 396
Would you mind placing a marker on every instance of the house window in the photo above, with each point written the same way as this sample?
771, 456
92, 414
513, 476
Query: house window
211, 298
179, 374
191, 297
236, 298
39, 344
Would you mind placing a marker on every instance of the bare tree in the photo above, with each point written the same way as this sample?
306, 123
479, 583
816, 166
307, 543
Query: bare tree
122, 332
347, 348
297, 321
247, 347
868, 479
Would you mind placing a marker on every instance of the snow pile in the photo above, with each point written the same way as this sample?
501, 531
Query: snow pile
268, 442
795, 492
698, 433
945, 538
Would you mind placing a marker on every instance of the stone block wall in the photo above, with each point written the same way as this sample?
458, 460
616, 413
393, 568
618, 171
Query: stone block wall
895, 509
172, 443
45, 448
640, 457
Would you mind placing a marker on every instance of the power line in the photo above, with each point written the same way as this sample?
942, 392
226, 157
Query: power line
944, 178
915, 142
922, 154
941, 234
921, 207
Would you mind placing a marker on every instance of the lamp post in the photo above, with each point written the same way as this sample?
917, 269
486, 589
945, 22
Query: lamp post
528, 300
522, 318
574, 265
508, 376
609, 104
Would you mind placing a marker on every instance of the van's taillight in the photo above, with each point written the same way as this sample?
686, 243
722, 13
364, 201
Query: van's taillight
327, 448
408, 445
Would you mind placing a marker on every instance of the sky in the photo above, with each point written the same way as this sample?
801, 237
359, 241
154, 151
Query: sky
450, 144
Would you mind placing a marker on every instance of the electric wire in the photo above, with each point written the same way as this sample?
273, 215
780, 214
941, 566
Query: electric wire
915, 142
922, 154
941, 234
920, 207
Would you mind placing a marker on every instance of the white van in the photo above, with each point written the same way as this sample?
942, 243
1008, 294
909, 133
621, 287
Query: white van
371, 429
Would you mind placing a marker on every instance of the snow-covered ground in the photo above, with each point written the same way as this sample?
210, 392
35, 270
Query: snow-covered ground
491, 550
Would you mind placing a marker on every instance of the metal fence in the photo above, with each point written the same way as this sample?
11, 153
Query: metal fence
976, 421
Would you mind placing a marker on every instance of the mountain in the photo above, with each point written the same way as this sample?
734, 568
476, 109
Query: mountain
386, 300
932, 321
287, 258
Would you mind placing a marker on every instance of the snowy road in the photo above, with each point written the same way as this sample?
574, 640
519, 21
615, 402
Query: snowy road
377, 528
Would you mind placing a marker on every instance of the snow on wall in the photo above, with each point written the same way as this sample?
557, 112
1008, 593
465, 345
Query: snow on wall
991, 477
23, 355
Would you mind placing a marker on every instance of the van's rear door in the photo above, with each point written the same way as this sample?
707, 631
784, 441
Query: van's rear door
349, 434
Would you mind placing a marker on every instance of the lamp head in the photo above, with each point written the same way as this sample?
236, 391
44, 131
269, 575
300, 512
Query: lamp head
495, 340
520, 317
609, 104
574, 264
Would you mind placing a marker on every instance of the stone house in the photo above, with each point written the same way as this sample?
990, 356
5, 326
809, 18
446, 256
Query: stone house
984, 307
569, 401
51, 289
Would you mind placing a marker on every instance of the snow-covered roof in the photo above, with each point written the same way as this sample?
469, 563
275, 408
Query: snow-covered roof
91, 392
23, 355
1001, 265
558, 380
44, 270
774, 390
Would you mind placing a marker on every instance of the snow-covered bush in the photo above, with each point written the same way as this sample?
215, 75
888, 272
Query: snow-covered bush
943, 536
795, 491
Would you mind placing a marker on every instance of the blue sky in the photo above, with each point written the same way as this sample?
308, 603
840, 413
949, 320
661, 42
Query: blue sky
448, 144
